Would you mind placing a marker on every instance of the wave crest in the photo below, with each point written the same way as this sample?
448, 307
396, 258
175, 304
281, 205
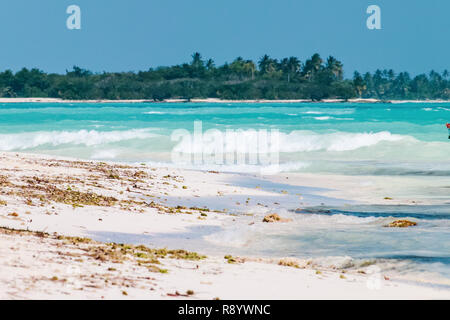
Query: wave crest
29, 140
301, 141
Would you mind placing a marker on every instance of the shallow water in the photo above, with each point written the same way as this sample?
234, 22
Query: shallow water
335, 230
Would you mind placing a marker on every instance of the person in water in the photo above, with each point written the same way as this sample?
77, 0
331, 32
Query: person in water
448, 127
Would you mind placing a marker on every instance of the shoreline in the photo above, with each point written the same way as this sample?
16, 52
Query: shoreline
214, 100
80, 268
56, 198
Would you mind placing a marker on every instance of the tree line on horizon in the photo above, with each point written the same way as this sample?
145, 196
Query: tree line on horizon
269, 78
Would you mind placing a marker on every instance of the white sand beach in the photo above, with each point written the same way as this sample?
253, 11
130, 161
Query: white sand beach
49, 207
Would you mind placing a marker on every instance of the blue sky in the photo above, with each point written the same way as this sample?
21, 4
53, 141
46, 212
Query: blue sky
136, 34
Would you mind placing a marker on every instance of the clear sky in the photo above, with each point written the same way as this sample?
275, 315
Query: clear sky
137, 34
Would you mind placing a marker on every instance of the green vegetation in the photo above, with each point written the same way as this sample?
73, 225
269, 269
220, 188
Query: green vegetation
230, 259
115, 252
269, 78
75, 198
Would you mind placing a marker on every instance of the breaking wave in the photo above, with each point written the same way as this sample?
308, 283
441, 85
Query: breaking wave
296, 141
301, 141
29, 140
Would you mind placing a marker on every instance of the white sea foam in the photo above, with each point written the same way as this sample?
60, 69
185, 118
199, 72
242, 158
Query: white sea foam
28, 140
330, 111
322, 118
313, 112
303, 141
306, 141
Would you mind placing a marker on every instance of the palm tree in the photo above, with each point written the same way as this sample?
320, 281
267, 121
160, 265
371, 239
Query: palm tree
267, 64
434, 76
401, 85
358, 83
290, 66
250, 68
312, 65
197, 61
237, 66
293, 66
391, 75
210, 64
197, 66
263, 63
335, 67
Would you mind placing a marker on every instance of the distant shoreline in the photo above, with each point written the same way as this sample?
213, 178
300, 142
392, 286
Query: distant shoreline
213, 100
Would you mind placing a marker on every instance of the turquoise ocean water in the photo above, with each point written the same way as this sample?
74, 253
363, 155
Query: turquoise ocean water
347, 139
334, 138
